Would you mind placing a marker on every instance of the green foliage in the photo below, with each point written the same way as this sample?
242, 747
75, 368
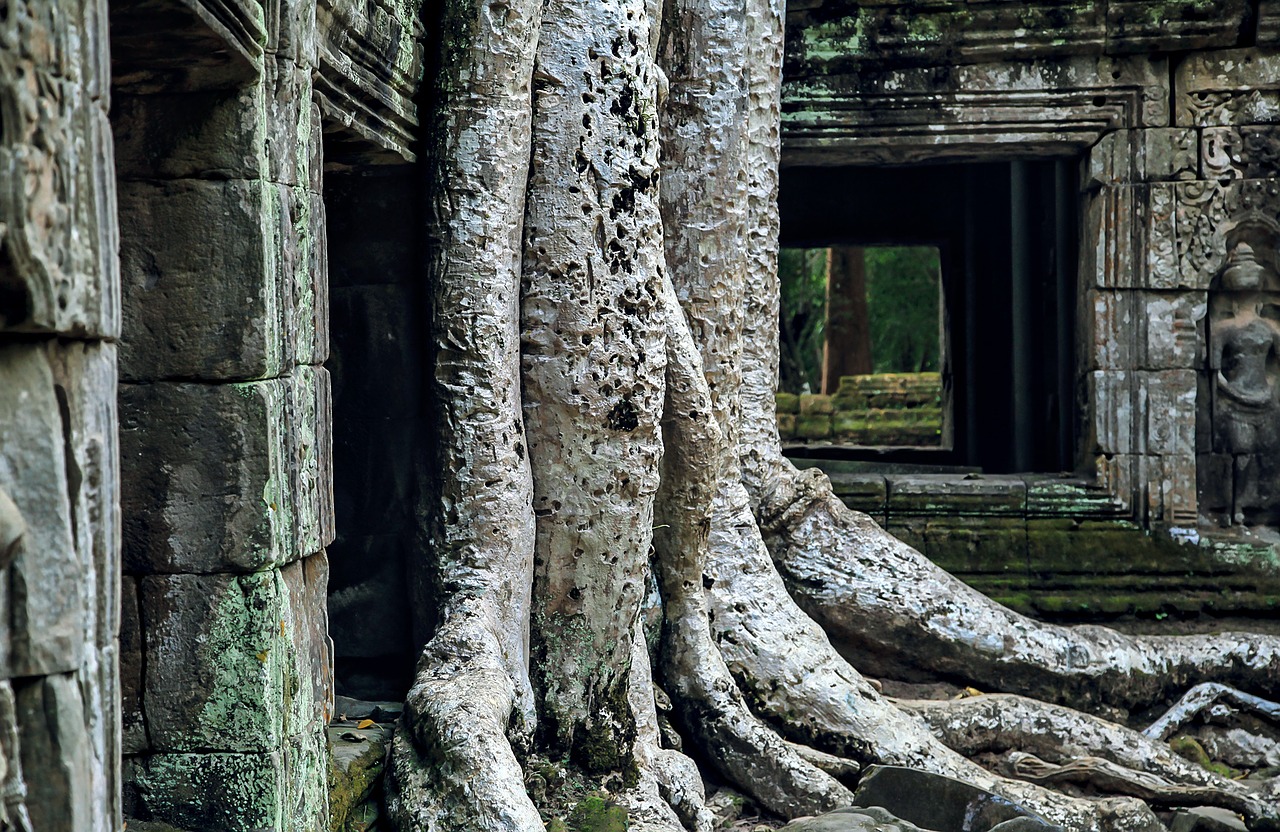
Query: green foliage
903, 300
802, 318
903, 296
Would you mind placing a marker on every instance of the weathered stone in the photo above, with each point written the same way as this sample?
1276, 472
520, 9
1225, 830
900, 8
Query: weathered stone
1227, 88
1143, 26
1111, 330
947, 494
1168, 401
196, 135
216, 649
1111, 396
858, 819
206, 473
950, 804
305, 775
310, 458
201, 305
49, 607
355, 772
813, 427
1111, 216
977, 544
57, 755
861, 492
226, 792
1152, 154
1054, 496
787, 402
813, 404
1171, 329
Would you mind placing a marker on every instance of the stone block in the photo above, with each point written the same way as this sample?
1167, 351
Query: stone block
216, 649
1052, 496
310, 458
204, 134
306, 780
1073, 546
950, 494
1118, 474
814, 404
50, 609
1167, 400
1159, 234
84, 377
288, 120
977, 544
1152, 154
813, 427
201, 302
57, 762
1268, 21
316, 576
311, 304
1111, 397
133, 721
910, 530
1135, 26
1111, 330
307, 693
376, 356
1231, 87
56, 189
206, 477
1111, 215
786, 425
787, 402
1170, 482
1170, 327
226, 792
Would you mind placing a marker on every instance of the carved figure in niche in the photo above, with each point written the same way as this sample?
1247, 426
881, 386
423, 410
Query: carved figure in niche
1244, 365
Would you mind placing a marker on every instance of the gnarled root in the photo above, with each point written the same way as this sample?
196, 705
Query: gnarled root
452, 766
1201, 697
1083, 749
873, 594
696, 461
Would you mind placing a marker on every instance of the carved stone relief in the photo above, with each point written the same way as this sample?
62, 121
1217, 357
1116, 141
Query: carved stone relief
1242, 368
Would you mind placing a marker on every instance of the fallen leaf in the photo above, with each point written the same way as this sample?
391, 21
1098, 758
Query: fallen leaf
365, 723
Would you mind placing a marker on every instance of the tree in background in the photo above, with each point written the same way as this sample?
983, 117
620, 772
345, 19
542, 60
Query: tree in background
903, 299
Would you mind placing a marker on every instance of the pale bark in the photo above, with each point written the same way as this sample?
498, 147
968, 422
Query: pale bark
452, 766
1201, 697
711, 707
874, 594
593, 360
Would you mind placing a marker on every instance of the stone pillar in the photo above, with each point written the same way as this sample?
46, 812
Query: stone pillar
225, 417
59, 519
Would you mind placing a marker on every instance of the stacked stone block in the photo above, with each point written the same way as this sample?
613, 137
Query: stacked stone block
59, 519
883, 409
225, 434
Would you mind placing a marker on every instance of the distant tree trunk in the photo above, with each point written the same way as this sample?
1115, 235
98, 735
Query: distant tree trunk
605, 402
847, 351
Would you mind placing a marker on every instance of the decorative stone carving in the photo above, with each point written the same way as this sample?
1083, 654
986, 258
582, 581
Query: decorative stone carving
1243, 365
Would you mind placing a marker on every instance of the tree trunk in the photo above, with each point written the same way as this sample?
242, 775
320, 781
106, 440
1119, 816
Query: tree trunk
452, 766
847, 350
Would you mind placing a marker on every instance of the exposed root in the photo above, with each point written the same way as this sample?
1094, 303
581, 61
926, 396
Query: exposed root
1080, 748
873, 594
1201, 697
451, 764
712, 709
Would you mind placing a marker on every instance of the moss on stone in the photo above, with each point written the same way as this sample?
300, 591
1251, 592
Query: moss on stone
1190, 749
595, 814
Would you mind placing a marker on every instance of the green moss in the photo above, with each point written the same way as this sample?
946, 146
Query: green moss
595, 814
1189, 749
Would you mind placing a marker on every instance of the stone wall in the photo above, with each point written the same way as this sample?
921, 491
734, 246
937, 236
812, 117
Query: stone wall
59, 517
879, 409
1173, 110
226, 413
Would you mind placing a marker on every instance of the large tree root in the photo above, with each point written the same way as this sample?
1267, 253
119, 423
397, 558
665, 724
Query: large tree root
710, 705
874, 594
1081, 748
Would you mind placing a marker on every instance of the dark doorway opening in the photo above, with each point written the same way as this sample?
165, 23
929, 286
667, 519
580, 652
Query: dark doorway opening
1006, 237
